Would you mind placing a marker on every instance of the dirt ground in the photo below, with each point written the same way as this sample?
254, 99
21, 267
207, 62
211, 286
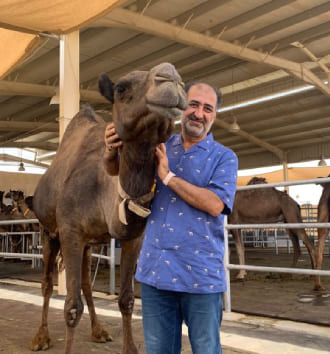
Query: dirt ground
267, 294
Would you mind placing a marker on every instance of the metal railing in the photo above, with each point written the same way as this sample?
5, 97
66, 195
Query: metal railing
36, 249
229, 266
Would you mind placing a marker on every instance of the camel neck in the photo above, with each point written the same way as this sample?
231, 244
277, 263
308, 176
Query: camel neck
137, 169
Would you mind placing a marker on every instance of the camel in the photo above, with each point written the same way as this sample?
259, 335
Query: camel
79, 204
1, 200
323, 215
267, 205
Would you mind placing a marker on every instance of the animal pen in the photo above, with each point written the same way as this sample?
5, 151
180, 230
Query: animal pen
229, 266
32, 250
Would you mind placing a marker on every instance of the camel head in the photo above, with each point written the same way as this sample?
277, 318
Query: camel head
145, 103
257, 180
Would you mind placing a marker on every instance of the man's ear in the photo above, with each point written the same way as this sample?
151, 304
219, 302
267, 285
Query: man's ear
106, 87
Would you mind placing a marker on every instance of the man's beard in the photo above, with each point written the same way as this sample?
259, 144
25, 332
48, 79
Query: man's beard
192, 129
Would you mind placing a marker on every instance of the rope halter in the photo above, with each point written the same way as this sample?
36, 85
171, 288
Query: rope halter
133, 204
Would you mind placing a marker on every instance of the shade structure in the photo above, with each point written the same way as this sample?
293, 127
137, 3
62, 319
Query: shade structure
294, 174
16, 46
21, 21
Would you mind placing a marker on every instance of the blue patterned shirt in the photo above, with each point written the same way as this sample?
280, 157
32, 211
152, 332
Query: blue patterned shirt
183, 247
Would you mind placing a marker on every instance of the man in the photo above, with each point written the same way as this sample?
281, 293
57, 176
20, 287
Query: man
181, 262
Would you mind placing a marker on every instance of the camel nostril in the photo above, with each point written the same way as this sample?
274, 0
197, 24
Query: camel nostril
166, 71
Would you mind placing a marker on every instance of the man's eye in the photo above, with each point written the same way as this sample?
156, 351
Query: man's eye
208, 109
193, 104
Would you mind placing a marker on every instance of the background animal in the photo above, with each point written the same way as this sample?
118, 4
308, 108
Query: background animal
79, 204
267, 205
323, 215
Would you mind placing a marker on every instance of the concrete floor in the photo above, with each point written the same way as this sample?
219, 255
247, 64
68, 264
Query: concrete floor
20, 310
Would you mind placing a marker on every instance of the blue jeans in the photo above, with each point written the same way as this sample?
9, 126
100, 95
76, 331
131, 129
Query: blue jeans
164, 311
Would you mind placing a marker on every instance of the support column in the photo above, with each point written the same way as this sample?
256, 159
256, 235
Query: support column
285, 173
69, 102
69, 79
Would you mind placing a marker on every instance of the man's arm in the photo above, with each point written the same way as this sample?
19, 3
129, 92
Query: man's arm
198, 197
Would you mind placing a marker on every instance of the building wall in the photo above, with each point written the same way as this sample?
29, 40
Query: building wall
26, 182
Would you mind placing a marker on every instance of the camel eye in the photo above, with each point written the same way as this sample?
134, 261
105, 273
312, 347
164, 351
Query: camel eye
120, 89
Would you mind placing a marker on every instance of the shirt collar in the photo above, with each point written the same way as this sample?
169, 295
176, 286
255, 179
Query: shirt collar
203, 144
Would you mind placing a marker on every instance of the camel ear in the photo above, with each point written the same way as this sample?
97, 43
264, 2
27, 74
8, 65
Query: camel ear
106, 87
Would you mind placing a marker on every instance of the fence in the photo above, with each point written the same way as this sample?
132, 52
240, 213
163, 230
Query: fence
31, 249
229, 266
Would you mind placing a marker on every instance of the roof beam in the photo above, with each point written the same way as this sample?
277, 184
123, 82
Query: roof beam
36, 127
33, 145
275, 150
128, 19
6, 157
14, 88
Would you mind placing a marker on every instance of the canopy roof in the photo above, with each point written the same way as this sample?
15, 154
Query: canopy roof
22, 21
294, 174
249, 49
55, 16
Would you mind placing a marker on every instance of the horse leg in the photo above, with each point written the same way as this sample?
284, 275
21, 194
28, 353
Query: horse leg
129, 254
72, 248
322, 235
239, 244
50, 248
99, 334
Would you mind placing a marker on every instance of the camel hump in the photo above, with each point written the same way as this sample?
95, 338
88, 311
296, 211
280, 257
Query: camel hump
88, 112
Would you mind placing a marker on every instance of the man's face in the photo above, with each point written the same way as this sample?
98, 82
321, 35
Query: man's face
201, 111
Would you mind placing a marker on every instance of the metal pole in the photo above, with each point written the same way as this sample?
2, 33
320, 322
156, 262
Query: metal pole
112, 267
227, 271
280, 269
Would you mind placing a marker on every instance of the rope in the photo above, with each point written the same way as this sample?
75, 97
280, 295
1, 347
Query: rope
132, 204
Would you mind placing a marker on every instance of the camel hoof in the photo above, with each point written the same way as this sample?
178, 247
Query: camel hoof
100, 335
241, 276
41, 340
319, 288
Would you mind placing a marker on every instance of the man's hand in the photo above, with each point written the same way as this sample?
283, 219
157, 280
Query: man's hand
111, 139
162, 168
112, 143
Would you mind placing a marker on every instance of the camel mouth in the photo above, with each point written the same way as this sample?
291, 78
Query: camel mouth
165, 111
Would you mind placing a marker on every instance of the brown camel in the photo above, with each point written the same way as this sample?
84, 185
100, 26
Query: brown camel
267, 205
80, 204
1, 200
323, 215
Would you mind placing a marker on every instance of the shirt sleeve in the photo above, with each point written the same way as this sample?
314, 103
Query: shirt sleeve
223, 180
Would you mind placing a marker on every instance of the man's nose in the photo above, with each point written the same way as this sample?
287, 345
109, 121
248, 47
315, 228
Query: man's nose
199, 111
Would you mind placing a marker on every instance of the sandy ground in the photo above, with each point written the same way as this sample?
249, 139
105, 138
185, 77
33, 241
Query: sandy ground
268, 294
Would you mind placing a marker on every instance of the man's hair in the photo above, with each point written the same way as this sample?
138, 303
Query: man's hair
215, 89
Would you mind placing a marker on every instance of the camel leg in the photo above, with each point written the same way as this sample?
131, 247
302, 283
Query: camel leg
296, 247
295, 217
50, 248
239, 244
309, 245
322, 235
129, 254
72, 250
99, 334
